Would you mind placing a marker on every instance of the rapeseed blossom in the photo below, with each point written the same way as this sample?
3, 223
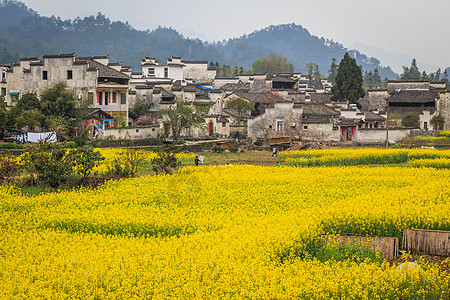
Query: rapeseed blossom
218, 232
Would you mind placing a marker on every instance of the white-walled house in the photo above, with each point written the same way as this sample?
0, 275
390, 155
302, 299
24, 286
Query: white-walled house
102, 86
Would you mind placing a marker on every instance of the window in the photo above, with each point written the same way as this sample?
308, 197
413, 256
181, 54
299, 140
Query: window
370, 125
305, 127
3, 75
279, 125
151, 72
376, 125
270, 126
114, 97
69, 74
3, 91
224, 124
425, 125
91, 97
107, 95
166, 72
123, 98
100, 98
44, 75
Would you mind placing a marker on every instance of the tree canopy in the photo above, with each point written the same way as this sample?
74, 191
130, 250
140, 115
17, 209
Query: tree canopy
272, 64
181, 116
240, 105
349, 81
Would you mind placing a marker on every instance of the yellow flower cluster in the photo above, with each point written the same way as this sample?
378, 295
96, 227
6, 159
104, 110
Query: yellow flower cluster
439, 163
110, 154
220, 232
362, 156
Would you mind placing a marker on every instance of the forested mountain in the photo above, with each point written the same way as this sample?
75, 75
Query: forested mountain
23, 32
298, 45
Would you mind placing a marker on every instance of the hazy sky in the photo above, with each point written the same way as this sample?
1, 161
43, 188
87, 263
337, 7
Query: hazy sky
415, 28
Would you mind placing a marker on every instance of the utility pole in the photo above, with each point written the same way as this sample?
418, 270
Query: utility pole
387, 123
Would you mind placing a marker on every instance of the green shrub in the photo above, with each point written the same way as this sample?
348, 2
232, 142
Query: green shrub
84, 160
71, 145
12, 146
8, 168
411, 120
258, 143
233, 149
217, 149
127, 164
164, 162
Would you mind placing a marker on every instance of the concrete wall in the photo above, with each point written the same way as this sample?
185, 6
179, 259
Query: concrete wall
370, 136
266, 123
322, 132
130, 133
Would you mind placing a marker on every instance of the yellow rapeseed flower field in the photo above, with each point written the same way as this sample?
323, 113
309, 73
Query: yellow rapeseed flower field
220, 232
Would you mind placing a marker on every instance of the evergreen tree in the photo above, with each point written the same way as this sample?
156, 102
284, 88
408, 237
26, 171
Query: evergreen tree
376, 78
424, 76
445, 77
332, 72
437, 77
349, 81
411, 73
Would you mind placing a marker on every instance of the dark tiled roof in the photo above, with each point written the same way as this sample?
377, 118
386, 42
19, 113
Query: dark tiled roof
315, 84
413, 96
260, 97
320, 98
239, 86
105, 71
194, 61
371, 116
36, 63
349, 122
318, 110
29, 58
316, 119
279, 78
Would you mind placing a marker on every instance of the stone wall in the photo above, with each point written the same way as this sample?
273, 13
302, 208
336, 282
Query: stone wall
130, 133
374, 136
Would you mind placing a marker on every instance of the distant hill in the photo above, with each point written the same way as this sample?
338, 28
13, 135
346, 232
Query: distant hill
23, 32
298, 45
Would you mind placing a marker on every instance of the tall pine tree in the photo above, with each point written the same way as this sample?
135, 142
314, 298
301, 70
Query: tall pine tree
349, 81
332, 72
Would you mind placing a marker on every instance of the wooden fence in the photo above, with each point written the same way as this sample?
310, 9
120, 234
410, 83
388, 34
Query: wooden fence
388, 246
432, 242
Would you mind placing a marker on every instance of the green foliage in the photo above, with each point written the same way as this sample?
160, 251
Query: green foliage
332, 72
411, 120
71, 145
233, 149
127, 164
3, 113
58, 100
60, 125
258, 143
164, 162
50, 163
84, 160
273, 63
240, 105
29, 118
313, 69
9, 168
141, 106
181, 116
11, 146
411, 73
349, 81
438, 122
217, 149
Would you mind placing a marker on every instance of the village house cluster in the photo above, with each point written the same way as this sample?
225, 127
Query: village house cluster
291, 105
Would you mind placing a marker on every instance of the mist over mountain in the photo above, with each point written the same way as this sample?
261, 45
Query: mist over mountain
23, 32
